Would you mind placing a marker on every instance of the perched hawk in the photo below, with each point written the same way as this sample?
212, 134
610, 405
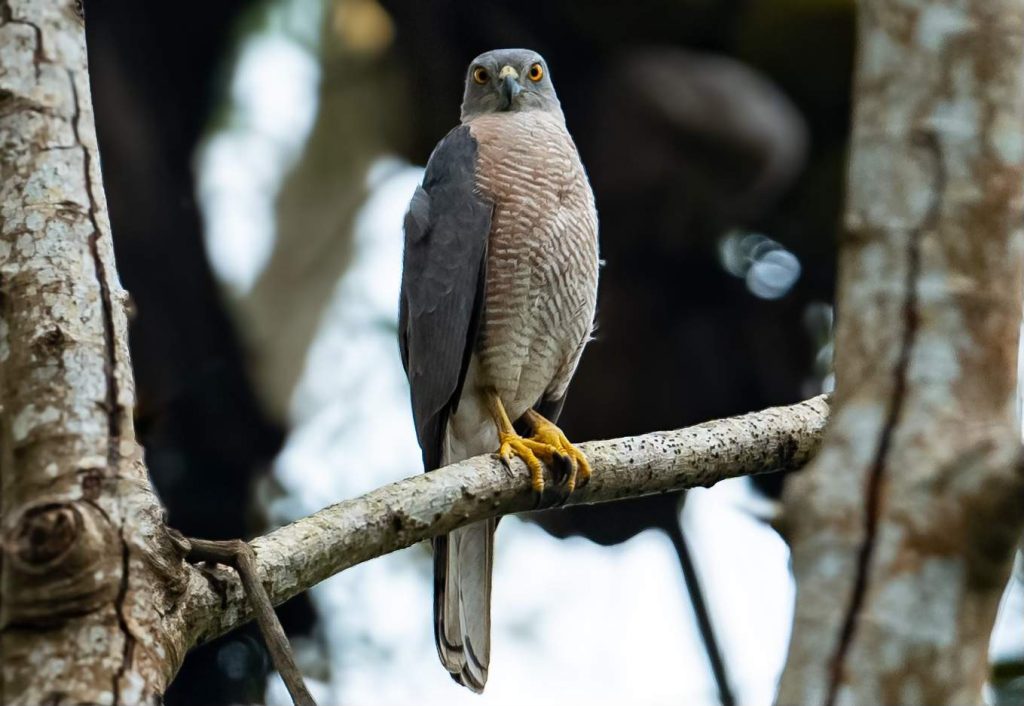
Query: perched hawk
498, 296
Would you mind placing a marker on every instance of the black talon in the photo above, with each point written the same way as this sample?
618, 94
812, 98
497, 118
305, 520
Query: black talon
563, 495
562, 466
538, 499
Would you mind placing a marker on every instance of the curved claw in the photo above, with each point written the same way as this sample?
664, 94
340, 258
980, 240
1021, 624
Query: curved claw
515, 445
548, 444
546, 433
581, 468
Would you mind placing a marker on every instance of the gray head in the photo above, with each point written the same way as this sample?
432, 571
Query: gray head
508, 80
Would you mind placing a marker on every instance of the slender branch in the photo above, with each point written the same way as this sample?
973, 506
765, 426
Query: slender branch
239, 555
705, 627
295, 557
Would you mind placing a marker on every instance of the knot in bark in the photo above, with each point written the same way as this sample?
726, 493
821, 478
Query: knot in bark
44, 535
60, 559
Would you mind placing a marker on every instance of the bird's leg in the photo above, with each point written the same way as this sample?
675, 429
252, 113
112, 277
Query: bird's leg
511, 444
547, 433
547, 444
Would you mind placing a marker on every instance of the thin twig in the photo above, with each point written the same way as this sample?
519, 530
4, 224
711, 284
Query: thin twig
240, 556
716, 659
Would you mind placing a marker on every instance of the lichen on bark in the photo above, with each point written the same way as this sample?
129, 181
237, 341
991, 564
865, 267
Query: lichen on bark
77, 556
906, 521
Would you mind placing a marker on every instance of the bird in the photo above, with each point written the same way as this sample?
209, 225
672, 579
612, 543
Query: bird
498, 300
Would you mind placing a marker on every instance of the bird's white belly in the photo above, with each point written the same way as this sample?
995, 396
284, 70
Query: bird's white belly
471, 431
536, 317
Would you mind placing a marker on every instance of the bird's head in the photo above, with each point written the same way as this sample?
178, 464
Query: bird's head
508, 80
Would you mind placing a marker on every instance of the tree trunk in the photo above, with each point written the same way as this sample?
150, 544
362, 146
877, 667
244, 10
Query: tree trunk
87, 568
903, 528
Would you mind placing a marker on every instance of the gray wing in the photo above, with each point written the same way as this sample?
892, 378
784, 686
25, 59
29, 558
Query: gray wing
446, 231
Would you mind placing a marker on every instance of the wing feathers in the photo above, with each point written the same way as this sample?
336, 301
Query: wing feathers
446, 233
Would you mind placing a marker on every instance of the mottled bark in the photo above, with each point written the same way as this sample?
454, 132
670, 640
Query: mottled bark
300, 555
903, 528
87, 568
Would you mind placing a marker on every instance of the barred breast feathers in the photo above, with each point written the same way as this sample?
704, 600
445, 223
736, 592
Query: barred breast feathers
541, 288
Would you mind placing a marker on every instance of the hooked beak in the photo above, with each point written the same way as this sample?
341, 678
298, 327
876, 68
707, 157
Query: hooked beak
509, 86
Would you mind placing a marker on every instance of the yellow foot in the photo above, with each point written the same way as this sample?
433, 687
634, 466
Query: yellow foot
531, 451
548, 445
550, 436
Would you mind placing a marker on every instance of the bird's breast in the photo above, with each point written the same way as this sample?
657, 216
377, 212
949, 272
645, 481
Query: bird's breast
542, 260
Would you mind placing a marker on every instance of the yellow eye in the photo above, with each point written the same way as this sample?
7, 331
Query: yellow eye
480, 75
536, 73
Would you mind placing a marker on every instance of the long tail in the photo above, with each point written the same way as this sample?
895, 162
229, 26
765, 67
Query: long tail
463, 560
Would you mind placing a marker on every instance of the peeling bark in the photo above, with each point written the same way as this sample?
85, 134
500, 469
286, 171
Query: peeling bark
903, 528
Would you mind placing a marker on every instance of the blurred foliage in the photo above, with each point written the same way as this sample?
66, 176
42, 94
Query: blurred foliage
157, 70
362, 26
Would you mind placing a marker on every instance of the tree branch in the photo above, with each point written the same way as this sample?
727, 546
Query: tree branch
295, 557
89, 574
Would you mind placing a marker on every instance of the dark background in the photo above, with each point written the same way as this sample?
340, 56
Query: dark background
694, 118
